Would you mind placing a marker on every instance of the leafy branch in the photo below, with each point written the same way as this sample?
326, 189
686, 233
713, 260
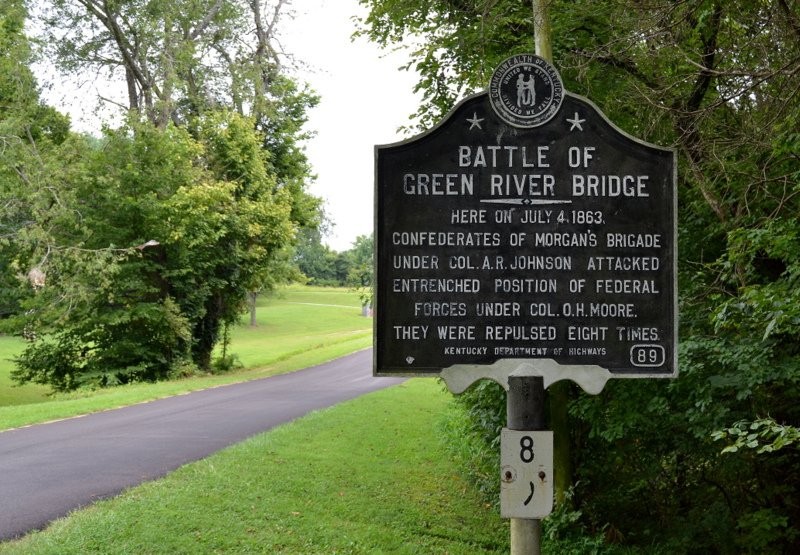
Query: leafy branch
764, 435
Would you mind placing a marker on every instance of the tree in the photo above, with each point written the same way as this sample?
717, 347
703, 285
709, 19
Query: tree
259, 226
16, 86
168, 53
316, 260
156, 306
361, 252
183, 59
720, 82
352, 267
136, 287
180, 59
31, 135
362, 272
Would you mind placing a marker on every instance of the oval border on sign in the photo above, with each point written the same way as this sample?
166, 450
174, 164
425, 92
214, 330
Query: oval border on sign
538, 90
641, 346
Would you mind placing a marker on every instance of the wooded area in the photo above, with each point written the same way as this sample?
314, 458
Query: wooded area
707, 463
118, 239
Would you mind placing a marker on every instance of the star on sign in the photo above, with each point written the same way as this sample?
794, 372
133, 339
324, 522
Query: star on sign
475, 121
576, 121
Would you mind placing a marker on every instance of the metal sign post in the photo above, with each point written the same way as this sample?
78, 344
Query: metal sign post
525, 412
525, 239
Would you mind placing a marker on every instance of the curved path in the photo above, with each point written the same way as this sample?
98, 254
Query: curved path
50, 469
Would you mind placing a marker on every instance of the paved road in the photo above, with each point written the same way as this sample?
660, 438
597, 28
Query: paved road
48, 470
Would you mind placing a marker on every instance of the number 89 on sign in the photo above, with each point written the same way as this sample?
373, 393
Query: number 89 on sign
648, 356
526, 474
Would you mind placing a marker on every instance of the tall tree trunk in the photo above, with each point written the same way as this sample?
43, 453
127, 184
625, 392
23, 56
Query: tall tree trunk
206, 333
133, 95
558, 394
253, 322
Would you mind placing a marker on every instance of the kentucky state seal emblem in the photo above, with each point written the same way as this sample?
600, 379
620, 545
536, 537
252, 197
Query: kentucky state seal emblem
526, 91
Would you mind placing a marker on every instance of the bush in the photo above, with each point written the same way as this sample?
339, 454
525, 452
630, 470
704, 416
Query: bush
226, 363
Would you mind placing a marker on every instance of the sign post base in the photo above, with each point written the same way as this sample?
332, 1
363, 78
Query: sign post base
591, 378
525, 411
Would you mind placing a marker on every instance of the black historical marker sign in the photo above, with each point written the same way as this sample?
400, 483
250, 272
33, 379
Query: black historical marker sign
525, 226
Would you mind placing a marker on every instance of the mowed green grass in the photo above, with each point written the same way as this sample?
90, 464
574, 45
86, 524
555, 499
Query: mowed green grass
368, 476
296, 319
297, 327
10, 392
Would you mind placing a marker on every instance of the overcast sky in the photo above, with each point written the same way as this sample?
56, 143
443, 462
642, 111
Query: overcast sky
364, 100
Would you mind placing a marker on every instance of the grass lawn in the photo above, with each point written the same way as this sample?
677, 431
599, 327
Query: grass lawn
297, 319
10, 392
368, 476
297, 327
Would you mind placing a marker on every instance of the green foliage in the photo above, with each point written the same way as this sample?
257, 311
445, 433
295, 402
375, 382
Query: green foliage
155, 305
563, 531
20, 108
105, 315
473, 436
280, 118
146, 342
185, 59
763, 436
11, 393
242, 213
226, 363
317, 261
361, 274
767, 259
323, 266
761, 527
24, 121
122, 258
